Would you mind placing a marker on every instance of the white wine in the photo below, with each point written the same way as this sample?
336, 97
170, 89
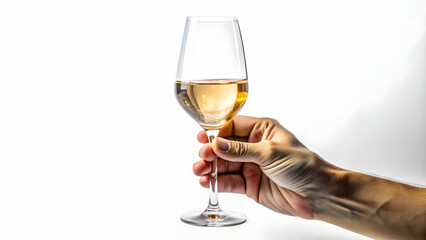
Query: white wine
212, 102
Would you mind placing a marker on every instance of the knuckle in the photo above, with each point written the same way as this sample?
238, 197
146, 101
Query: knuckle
270, 121
271, 152
265, 125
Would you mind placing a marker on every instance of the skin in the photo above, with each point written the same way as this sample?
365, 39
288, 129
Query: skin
261, 159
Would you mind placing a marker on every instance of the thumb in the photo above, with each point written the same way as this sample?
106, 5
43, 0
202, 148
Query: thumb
237, 151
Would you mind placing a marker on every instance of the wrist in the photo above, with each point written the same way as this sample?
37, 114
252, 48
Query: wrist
335, 185
372, 206
327, 184
348, 195
346, 203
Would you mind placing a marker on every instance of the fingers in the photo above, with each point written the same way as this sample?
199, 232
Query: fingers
252, 174
202, 167
207, 153
246, 182
233, 183
236, 151
202, 137
239, 126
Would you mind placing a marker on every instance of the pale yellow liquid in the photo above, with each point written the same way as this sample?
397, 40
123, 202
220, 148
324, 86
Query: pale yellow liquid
212, 103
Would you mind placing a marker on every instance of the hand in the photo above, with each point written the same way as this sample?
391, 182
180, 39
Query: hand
266, 162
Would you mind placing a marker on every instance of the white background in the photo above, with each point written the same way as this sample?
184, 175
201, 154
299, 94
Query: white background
93, 144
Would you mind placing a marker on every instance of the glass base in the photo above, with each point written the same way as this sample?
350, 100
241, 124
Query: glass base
213, 218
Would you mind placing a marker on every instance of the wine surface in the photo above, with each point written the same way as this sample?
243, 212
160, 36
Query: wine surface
212, 102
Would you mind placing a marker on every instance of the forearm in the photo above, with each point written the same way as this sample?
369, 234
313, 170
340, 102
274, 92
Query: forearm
372, 206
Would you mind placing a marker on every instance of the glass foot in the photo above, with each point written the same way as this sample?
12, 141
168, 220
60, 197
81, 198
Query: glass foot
213, 218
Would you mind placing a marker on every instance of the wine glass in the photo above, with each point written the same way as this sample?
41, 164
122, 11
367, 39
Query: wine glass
211, 86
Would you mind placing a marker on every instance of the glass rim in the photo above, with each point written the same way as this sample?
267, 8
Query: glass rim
212, 19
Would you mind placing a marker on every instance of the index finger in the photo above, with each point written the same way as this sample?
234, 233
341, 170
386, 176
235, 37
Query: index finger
202, 137
239, 126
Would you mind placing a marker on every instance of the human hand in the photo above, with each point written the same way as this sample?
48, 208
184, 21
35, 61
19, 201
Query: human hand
263, 160
260, 158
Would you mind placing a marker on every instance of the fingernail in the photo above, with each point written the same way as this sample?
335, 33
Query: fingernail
222, 144
199, 152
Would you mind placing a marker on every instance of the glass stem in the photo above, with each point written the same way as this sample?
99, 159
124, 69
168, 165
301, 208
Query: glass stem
213, 199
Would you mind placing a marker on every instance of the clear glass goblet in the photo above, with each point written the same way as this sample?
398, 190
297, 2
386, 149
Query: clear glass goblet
211, 86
